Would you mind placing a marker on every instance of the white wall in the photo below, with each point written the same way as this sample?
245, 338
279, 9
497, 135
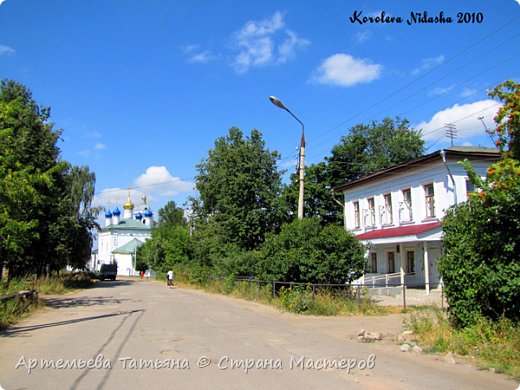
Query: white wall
110, 241
415, 179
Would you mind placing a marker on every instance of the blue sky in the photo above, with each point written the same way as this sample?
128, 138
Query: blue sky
142, 88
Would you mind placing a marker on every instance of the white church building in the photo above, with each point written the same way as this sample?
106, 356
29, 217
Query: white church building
119, 239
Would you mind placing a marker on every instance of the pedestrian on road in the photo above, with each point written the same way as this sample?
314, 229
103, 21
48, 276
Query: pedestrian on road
169, 278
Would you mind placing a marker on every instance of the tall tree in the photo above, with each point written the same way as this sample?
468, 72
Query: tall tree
317, 196
46, 218
369, 148
366, 149
239, 186
71, 232
507, 131
171, 214
480, 267
170, 243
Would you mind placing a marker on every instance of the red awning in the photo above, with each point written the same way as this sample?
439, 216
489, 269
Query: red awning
398, 231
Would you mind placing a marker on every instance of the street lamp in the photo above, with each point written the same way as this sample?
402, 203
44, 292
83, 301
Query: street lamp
301, 161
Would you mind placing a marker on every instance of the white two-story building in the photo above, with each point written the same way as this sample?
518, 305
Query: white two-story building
397, 213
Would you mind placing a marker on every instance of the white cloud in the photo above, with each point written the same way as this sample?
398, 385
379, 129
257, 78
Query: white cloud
202, 57
6, 50
361, 37
467, 92
265, 42
196, 55
465, 117
159, 181
346, 71
111, 197
99, 146
155, 183
428, 63
440, 91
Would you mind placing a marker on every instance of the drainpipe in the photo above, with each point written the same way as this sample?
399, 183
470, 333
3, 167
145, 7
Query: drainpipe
443, 155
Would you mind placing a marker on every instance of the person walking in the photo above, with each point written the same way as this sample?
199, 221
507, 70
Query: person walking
169, 277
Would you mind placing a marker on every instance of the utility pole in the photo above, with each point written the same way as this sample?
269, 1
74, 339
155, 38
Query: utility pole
301, 159
451, 131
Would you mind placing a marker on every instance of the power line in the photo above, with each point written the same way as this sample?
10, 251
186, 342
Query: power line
420, 77
451, 131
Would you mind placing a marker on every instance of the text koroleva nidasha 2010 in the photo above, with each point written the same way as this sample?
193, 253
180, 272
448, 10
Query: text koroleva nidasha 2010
424, 17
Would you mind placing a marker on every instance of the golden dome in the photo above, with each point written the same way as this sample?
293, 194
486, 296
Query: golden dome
128, 205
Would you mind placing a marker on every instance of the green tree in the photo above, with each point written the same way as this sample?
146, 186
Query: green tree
46, 218
481, 267
508, 118
366, 149
171, 214
19, 199
239, 186
317, 195
305, 251
29, 151
170, 243
71, 231
370, 148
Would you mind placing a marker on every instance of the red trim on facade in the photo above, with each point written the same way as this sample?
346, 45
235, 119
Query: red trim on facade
398, 231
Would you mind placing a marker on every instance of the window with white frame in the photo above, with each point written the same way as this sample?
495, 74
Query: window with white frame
371, 212
387, 210
430, 200
405, 207
357, 217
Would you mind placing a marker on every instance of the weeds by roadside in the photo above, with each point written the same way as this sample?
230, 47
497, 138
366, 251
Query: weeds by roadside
298, 299
14, 309
492, 345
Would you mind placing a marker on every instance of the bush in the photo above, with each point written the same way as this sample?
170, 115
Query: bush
304, 251
297, 299
480, 267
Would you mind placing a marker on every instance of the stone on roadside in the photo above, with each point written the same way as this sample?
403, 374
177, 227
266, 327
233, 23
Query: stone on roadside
407, 335
373, 336
417, 349
361, 333
449, 358
405, 348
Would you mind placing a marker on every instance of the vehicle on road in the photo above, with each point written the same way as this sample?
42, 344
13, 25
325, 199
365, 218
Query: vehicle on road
108, 271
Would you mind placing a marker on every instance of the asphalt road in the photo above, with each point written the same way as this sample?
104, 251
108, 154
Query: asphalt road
135, 334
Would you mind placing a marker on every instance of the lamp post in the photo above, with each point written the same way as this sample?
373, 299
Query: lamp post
301, 161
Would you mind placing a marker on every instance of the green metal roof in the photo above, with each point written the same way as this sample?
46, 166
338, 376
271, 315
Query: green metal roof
127, 224
129, 247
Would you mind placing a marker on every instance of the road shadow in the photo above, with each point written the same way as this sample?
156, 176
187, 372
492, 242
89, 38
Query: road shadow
112, 283
60, 302
19, 330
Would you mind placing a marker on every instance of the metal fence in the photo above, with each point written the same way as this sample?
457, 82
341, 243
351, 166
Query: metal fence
357, 291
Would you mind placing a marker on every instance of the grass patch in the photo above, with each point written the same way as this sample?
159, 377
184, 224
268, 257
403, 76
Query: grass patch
15, 309
298, 299
12, 310
492, 345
